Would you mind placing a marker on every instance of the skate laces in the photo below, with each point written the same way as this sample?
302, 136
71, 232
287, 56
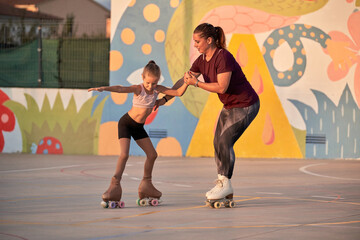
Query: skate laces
219, 183
218, 186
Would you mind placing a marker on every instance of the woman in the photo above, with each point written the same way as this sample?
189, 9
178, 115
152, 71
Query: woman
224, 76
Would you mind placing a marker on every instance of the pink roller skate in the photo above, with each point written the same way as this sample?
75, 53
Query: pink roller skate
111, 198
148, 194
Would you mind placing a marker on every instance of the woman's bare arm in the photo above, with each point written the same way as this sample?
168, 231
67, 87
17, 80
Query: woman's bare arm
217, 87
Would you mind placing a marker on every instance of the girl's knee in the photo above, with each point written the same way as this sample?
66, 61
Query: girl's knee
152, 155
124, 156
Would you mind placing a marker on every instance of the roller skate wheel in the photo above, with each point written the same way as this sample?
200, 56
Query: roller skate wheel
142, 202
154, 202
231, 204
104, 204
113, 205
217, 205
121, 204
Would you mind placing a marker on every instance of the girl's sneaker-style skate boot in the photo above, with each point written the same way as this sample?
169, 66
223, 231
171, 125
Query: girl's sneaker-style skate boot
111, 198
148, 193
221, 194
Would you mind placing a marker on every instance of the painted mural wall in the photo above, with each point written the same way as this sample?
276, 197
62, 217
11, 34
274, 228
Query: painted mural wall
302, 58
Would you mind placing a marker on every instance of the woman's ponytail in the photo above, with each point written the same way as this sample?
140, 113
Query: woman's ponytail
220, 38
207, 30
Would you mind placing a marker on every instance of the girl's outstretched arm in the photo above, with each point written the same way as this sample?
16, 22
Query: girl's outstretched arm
177, 85
171, 91
118, 88
180, 83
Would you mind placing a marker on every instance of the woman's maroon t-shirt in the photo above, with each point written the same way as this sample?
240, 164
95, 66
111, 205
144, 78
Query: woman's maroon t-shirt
239, 93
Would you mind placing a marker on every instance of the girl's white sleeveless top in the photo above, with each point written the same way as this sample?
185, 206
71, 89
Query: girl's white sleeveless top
144, 100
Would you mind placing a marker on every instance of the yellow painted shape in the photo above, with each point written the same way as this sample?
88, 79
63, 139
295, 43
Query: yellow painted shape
151, 12
268, 134
116, 60
146, 48
118, 98
169, 147
109, 143
108, 139
251, 144
189, 14
301, 139
127, 36
159, 35
201, 144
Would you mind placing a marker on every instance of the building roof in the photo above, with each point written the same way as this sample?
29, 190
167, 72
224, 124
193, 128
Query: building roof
20, 2
36, 2
101, 6
8, 10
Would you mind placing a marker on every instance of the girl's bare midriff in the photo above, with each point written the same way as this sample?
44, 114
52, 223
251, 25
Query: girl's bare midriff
139, 115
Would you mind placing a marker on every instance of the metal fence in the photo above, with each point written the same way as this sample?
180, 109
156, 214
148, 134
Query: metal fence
38, 54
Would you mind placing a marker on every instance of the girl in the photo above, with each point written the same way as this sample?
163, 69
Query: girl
131, 124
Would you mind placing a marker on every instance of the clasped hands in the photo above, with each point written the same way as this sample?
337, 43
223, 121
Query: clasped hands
190, 79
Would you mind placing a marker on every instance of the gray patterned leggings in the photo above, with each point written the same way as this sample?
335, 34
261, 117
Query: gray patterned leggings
231, 125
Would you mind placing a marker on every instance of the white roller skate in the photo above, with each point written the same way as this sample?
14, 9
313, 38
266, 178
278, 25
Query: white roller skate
216, 186
221, 194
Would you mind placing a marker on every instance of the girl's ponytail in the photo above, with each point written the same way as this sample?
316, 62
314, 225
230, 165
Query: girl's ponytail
152, 68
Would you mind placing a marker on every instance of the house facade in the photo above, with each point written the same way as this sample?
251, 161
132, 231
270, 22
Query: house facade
19, 25
86, 18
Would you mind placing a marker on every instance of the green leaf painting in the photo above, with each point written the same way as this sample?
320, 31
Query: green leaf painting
78, 132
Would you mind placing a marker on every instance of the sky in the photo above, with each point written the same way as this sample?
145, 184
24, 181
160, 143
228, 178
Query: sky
105, 3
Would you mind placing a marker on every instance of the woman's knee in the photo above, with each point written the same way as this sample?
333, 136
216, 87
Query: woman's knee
221, 143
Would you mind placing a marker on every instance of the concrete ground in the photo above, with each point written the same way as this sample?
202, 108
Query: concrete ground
58, 197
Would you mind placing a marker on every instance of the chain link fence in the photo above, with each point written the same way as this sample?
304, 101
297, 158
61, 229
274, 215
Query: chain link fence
46, 55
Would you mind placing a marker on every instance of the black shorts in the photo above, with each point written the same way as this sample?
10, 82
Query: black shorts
128, 128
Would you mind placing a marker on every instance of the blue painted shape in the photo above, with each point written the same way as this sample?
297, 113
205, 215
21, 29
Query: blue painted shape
340, 125
176, 119
297, 32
